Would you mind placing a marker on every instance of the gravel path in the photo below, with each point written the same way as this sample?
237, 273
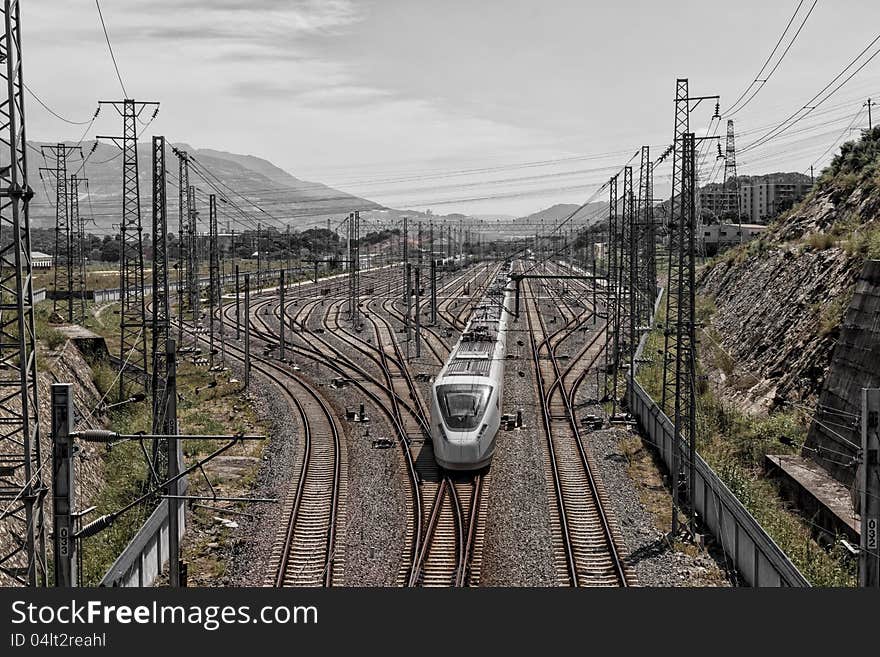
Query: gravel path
518, 549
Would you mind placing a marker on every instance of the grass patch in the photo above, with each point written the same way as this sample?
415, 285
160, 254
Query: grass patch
734, 445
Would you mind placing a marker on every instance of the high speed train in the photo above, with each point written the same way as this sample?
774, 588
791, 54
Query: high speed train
466, 394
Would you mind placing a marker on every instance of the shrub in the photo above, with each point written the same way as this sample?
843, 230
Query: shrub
820, 241
53, 337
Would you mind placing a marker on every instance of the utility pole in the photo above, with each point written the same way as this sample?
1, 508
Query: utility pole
132, 315
869, 104
237, 305
247, 331
213, 274
406, 286
433, 277
161, 320
78, 231
63, 264
22, 491
418, 312
259, 255
869, 553
283, 316
173, 457
63, 485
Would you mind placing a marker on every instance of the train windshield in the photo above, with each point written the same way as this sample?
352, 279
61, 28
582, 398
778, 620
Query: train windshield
463, 405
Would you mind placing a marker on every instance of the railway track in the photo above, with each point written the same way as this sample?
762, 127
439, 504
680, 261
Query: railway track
445, 539
309, 549
587, 548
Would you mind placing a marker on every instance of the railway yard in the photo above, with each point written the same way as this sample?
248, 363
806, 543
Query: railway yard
362, 501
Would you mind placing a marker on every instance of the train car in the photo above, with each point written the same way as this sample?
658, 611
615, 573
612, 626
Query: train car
466, 394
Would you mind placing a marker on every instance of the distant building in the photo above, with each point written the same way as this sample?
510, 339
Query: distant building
718, 237
766, 197
41, 260
760, 198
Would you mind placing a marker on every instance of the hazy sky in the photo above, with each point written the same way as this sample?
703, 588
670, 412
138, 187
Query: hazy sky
395, 99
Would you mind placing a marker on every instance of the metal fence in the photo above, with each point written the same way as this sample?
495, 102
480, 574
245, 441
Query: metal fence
144, 557
745, 543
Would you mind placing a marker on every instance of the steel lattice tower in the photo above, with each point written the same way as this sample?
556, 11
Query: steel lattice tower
78, 264
161, 317
132, 314
612, 332
684, 289
23, 558
650, 240
183, 273
627, 265
647, 254
63, 264
193, 260
674, 224
731, 184
213, 274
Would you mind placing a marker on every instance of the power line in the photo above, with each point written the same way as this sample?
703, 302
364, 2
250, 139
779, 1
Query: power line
110, 48
758, 80
812, 104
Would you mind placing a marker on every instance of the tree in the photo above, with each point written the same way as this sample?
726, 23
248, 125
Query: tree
111, 250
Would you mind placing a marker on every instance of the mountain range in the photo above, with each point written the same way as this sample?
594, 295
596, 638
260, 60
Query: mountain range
242, 183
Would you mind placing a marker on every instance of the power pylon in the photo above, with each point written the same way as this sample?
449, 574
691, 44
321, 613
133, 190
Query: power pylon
132, 315
78, 237
683, 289
23, 558
731, 183
161, 317
354, 266
674, 223
184, 281
627, 265
213, 274
646, 272
63, 263
612, 345
193, 265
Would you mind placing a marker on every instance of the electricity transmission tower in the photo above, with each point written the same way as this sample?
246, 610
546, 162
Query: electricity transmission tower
213, 274
78, 250
22, 491
354, 266
625, 269
731, 184
683, 287
161, 317
646, 275
132, 314
611, 328
63, 264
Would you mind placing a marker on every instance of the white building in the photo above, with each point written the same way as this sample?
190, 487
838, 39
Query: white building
41, 260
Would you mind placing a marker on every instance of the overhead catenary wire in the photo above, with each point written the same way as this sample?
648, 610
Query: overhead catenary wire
110, 48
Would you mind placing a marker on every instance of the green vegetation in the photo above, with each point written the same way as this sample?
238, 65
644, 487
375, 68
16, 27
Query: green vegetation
735, 445
857, 164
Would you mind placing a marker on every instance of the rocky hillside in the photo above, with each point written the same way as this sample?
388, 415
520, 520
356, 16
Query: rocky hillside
775, 305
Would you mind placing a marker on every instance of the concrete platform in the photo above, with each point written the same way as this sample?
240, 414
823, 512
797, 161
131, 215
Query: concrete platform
90, 344
821, 497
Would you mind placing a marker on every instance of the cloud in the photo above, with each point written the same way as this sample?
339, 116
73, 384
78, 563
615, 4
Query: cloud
311, 94
238, 21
